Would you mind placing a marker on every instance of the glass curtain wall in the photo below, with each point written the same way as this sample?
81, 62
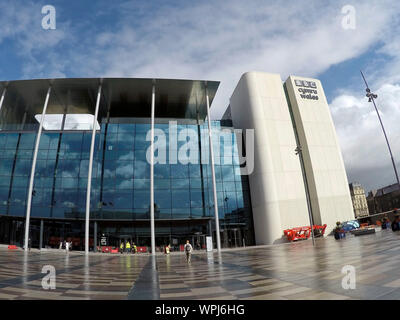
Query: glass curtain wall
183, 191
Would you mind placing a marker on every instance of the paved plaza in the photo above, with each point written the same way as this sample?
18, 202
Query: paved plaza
285, 271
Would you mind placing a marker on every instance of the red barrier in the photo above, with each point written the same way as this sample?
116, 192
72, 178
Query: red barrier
141, 249
106, 249
304, 232
12, 247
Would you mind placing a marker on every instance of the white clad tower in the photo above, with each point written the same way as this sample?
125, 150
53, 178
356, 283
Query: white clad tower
276, 184
324, 166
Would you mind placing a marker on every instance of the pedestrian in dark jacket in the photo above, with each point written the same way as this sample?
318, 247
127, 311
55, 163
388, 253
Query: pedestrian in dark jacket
338, 231
395, 224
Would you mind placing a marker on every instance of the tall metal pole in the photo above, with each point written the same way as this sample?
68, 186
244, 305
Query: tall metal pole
95, 237
89, 183
152, 228
41, 235
213, 175
1, 105
32, 177
371, 97
2, 97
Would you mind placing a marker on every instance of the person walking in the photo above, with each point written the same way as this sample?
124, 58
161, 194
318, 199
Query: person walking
188, 250
128, 247
121, 247
383, 223
66, 246
396, 223
134, 248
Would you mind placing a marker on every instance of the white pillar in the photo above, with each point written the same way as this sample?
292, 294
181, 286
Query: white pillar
89, 183
213, 175
152, 228
32, 177
2, 97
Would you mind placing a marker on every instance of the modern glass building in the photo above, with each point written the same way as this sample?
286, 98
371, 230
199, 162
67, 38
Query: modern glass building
52, 143
100, 161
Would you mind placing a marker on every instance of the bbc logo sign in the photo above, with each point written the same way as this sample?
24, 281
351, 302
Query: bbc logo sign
306, 84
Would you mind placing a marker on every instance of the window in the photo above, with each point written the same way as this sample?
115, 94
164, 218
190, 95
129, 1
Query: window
180, 199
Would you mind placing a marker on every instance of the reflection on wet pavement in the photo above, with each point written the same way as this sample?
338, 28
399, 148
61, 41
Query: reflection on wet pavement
286, 271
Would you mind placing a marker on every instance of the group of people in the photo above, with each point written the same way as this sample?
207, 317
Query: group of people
394, 225
338, 232
127, 247
385, 224
67, 245
187, 248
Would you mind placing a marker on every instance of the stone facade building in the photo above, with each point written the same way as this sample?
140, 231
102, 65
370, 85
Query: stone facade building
384, 199
359, 200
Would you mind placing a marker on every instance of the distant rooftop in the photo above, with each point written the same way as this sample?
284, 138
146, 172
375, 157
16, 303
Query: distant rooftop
387, 189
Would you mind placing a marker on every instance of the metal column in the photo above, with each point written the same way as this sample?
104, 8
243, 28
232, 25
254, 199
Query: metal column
32, 177
213, 175
95, 237
2, 97
371, 97
89, 183
152, 229
41, 235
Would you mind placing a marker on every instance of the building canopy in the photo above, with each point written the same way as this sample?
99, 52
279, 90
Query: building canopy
73, 100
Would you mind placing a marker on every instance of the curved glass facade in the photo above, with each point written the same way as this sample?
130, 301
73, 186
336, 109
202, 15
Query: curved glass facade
120, 191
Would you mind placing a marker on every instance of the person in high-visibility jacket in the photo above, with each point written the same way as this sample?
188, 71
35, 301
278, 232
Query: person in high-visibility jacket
128, 247
167, 248
121, 247
134, 248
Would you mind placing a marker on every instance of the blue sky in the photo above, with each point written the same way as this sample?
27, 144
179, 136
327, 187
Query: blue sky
220, 40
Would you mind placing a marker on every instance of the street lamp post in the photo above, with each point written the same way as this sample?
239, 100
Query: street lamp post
371, 98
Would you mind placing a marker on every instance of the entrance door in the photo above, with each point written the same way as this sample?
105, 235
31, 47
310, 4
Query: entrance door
17, 233
199, 241
143, 241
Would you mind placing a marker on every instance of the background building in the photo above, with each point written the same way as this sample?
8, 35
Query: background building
384, 199
359, 200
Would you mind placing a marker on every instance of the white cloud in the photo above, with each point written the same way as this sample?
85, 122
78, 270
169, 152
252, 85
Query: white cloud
211, 40
220, 40
361, 138
21, 30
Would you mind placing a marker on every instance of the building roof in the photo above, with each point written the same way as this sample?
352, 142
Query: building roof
130, 97
387, 189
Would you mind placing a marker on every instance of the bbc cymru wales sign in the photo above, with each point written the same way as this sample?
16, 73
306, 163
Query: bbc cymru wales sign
308, 89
